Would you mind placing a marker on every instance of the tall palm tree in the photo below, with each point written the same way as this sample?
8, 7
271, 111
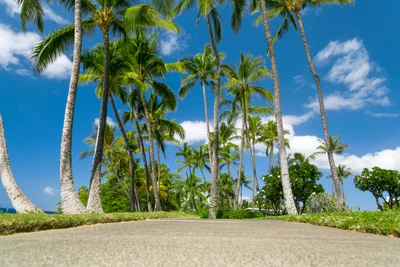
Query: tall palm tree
335, 146
208, 9
192, 189
226, 188
18, 200
239, 10
200, 67
242, 85
269, 137
106, 15
93, 64
290, 10
146, 66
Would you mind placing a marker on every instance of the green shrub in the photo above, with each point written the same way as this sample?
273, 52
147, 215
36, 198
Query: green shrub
321, 203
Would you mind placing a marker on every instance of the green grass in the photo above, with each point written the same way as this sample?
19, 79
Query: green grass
383, 223
18, 223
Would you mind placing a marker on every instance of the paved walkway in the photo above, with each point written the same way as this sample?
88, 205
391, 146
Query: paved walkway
199, 243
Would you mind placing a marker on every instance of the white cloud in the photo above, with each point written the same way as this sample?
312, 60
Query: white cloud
351, 67
383, 115
171, 43
50, 191
14, 45
60, 69
195, 131
109, 121
25, 72
13, 8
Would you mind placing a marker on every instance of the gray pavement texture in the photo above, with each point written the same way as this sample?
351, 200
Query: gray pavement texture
199, 243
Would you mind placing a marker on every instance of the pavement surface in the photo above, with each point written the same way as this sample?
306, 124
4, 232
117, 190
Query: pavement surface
199, 243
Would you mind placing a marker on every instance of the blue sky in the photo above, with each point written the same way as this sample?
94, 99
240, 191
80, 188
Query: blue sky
354, 49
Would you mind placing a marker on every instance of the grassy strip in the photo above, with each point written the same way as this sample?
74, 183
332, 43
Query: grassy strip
382, 223
18, 223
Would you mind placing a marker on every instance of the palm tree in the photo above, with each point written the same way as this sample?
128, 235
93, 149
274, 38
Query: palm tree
199, 158
114, 16
93, 65
244, 182
288, 10
241, 84
335, 146
208, 9
18, 200
226, 188
192, 189
302, 158
269, 137
287, 190
201, 68
253, 133
146, 66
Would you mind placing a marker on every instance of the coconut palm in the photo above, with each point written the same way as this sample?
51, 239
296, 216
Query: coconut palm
199, 68
253, 133
208, 9
106, 15
226, 190
269, 137
17, 198
335, 146
146, 66
192, 189
289, 10
288, 195
242, 85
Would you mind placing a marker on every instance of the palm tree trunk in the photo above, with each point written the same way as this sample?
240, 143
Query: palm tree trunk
214, 164
94, 202
240, 169
287, 190
130, 154
157, 206
207, 123
17, 198
331, 159
146, 170
159, 167
271, 159
122, 185
228, 165
70, 203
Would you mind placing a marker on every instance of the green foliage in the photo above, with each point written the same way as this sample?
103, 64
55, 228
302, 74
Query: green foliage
383, 223
18, 223
303, 178
321, 203
380, 182
232, 214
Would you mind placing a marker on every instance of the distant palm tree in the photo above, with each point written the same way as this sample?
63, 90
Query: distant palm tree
201, 68
343, 173
192, 189
336, 147
242, 85
289, 10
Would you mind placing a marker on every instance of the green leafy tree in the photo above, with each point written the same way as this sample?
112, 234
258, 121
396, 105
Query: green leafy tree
383, 184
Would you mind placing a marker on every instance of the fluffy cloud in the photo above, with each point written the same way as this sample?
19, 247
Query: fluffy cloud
60, 69
13, 8
171, 43
109, 122
14, 45
50, 191
195, 131
352, 67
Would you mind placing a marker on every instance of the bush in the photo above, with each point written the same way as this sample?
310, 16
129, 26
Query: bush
321, 203
232, 214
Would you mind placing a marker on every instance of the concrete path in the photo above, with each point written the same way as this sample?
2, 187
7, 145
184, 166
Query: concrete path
199, 243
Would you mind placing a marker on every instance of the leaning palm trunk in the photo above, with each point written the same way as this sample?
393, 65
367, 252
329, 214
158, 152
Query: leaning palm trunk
94, 202
287, 190
214, 164
133, 206
18, 200
253, 165
159, 167
335, 177
271, 159
70, 203
240, 169
157, 206
207, 123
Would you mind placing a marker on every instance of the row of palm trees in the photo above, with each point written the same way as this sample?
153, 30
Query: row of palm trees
132, 23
